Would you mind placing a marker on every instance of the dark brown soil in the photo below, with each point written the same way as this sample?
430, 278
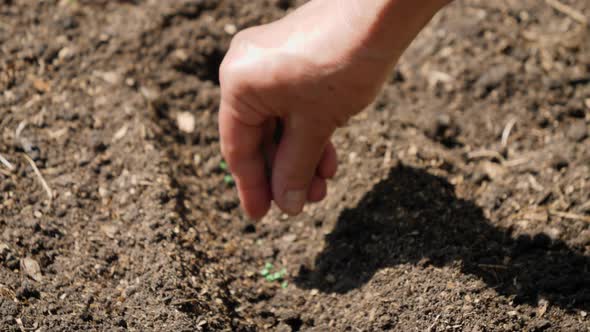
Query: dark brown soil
432, 224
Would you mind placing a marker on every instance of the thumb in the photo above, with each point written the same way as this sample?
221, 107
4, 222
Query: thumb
298, 155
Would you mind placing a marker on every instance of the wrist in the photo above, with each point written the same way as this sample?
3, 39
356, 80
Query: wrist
383, 29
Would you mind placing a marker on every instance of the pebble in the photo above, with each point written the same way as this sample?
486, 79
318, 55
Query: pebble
66, 53
110, 77
110, 230
492, 170
492, 78
230, 29
578, 131
186, 122
150, 94
31, 268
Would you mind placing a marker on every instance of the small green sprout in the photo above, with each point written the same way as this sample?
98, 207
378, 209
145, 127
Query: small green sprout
228, 179
284, 284
269, 275
265, 272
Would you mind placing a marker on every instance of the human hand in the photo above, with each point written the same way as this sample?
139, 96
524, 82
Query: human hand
310, 72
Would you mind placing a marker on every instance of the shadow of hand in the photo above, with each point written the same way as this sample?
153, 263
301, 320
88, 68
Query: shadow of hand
414, 217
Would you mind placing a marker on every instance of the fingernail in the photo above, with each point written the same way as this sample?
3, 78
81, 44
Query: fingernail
294, 200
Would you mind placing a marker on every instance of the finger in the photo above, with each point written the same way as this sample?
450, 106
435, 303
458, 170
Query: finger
317, 190
270, 147
241, 146
298, 155
329, 162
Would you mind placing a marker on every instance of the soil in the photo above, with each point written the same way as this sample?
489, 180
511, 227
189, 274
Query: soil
462, 202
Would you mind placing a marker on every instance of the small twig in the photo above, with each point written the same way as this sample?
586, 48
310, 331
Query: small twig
572, 216
40, 176
433, 324
6, 163
507, 130
535, 184
19, 322
19, 129
569, 11
515, 162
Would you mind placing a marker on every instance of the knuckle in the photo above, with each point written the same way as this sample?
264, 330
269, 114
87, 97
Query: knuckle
231, 67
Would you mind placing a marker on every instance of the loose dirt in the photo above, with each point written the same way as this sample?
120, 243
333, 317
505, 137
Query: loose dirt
462, 202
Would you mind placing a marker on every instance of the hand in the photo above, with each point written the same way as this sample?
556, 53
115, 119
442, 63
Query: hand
309, 72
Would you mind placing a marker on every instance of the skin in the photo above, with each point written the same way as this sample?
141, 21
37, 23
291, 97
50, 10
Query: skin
307, 73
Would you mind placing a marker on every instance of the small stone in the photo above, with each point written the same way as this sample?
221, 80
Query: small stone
110, 230
180, 55
110, 77
212, 165
150, 94
552, 232
492, 78
197, 159
4, 248
104, 37
41, 85
578, 131
66, 53
120, 133
186, 122
492, 170
31, 268
542, 307
230, 29
282, 327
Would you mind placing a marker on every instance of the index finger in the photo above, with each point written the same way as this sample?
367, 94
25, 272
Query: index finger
241, 146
